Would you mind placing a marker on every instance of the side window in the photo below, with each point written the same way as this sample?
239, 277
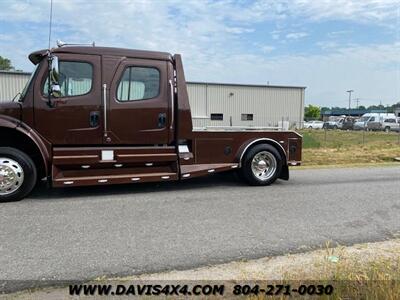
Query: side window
138, 83
217, 117
249, 117
75, 79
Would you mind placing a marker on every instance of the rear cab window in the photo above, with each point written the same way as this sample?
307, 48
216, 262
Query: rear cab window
138, 83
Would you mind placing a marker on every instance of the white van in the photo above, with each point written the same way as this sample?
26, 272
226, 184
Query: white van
362, 123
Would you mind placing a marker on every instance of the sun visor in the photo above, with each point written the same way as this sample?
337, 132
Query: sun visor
37, 56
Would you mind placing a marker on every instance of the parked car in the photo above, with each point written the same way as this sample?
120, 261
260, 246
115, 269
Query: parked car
386, 123
314, 124
361, 124
347, 123
334, 122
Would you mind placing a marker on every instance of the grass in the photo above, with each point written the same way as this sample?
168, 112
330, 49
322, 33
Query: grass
336, 147
354, 276
358, 272
352, 280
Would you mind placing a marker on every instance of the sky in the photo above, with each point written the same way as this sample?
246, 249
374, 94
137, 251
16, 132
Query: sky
328, 46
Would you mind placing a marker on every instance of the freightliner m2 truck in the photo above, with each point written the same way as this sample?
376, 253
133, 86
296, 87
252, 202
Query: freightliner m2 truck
101, 116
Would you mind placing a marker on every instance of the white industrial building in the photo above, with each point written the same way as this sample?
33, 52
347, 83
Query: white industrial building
220, 104
11, 83
217, 104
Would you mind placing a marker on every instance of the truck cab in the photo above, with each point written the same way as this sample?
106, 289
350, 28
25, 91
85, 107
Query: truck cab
100, 116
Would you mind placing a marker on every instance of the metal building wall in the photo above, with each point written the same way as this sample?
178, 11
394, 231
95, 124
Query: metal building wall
268, 104
11, 83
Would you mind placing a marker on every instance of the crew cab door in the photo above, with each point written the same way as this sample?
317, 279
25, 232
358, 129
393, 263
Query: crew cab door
139, 110
75, 118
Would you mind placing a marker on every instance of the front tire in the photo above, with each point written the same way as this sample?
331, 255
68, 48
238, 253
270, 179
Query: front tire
261, 165
17, 174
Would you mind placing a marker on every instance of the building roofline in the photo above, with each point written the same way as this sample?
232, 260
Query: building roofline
249, 85
15, 72
196, 82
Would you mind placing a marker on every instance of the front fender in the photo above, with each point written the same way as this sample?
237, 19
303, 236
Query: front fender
42, 145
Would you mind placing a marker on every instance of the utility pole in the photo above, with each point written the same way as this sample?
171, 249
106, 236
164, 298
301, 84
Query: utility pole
350, 91
357, 101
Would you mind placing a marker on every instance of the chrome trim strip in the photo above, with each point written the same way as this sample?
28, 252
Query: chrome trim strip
258, 140
105, 108
171, 86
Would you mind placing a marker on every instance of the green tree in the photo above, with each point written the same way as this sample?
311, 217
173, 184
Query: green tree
5, 64
324, 108
312, 112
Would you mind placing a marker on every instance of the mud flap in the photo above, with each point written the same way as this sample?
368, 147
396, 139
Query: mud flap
284, 172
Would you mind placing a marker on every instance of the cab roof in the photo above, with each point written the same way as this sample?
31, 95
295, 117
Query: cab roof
37, 56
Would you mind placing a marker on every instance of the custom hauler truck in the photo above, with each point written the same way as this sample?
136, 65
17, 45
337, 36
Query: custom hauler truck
100, 116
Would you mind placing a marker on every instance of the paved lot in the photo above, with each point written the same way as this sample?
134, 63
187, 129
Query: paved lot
88, 232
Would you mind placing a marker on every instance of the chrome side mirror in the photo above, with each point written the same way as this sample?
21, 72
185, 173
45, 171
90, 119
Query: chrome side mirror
55, 89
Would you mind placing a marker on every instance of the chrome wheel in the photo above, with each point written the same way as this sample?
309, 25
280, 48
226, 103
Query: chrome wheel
264, 165
11, 176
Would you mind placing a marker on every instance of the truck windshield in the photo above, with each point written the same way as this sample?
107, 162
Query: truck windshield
25, 90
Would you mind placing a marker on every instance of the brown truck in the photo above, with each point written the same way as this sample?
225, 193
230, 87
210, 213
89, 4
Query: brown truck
100, 116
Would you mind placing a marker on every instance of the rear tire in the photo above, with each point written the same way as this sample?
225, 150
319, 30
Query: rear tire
17, 174
387, 129
261, 165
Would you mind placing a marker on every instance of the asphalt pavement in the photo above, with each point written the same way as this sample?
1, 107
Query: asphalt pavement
83, 233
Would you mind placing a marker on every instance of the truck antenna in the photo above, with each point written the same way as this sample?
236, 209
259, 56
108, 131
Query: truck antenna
51, 20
